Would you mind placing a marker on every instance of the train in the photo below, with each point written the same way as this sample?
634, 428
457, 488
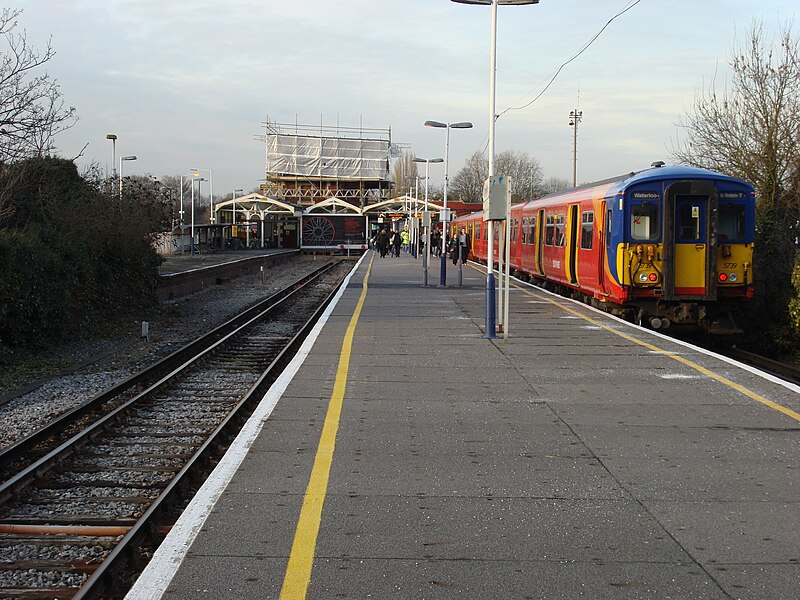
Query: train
668, 246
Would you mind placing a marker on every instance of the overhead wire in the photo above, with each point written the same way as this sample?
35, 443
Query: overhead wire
581, 51
585, 47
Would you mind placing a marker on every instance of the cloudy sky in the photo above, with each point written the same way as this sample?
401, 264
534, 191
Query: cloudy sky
190, 83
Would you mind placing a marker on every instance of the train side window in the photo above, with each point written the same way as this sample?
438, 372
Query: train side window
645, 222
560, 230
587, 230
532, 230
609, 213
550, 230
524, 239
731, 222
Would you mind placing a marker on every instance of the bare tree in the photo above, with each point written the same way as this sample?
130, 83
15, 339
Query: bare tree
467, 185
404, 167
524, 171
751, 130
552, 185
32, 110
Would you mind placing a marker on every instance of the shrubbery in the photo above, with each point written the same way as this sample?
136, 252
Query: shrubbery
70, 253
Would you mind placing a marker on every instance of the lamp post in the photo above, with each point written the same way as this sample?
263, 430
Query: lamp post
575, 117
121, 159
447, 127
212, 218
180, 212
234, 205
426, 258
199, 179
490, 282
113, 139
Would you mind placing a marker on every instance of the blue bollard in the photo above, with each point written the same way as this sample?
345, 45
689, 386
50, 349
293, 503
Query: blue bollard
491, 309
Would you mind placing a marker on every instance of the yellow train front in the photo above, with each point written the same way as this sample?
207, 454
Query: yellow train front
684, 252
665, 247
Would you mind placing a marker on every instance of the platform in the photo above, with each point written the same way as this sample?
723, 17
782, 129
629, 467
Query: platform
183, 274
581, 458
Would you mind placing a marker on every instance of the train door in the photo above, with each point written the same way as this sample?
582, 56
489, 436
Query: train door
540, 242
572, 244
690, 232
605, 242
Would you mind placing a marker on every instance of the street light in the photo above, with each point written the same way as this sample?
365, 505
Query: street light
234, 205
210, 191
426, 257
123, 158
490, 283
447, 127
199, 179
113, 139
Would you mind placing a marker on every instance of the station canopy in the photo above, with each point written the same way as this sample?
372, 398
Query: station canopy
401, 204
257, 205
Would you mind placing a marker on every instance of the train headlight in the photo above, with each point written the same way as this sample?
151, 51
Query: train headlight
642, 277
732, 277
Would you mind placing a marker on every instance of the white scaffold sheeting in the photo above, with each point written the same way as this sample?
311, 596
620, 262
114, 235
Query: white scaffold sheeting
337, 158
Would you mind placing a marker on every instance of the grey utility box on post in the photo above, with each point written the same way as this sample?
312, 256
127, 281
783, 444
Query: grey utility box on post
496, 198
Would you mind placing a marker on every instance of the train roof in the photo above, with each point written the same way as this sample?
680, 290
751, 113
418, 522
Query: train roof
677, 172
655, 173
615, 185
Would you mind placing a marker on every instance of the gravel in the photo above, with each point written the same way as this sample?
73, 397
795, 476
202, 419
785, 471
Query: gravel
181, 320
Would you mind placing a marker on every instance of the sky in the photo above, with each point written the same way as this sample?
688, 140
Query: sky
189, 84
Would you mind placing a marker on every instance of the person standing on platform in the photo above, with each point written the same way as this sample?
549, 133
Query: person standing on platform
463, 246
383, 242
436, 243
398, 242
406, 237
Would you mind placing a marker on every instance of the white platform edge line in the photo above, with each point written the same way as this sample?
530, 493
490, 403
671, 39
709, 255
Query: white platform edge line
156, 577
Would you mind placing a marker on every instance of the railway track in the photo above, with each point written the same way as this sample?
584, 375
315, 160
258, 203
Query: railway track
774, 367
81, 519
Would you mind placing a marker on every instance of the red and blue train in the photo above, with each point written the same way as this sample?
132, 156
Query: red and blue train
667, 246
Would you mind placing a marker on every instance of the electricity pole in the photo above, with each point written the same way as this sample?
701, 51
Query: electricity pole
575, 117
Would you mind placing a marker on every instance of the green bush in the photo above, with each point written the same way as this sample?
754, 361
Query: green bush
70, 254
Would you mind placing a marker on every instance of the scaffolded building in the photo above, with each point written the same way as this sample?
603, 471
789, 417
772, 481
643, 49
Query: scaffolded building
308, 164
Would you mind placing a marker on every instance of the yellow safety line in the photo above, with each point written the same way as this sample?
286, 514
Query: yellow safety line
301, 558
739, 388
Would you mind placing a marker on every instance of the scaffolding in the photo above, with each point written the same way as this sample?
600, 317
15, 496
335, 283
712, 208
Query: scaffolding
306, 164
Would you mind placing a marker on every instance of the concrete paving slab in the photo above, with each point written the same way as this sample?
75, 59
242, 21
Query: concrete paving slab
458, 528
735, 531
472, 475
443, 579
710, 479
758, 581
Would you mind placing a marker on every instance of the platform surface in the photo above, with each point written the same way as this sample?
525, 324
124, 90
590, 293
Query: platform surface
580, 458
185, 262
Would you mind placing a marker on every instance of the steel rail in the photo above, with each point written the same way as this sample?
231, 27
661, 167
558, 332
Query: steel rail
106, 579
147, 376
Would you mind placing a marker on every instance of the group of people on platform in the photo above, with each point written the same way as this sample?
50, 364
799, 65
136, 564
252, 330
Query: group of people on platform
389, 243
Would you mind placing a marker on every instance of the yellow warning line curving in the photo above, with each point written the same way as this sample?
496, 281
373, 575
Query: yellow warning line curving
739, 388
301, 558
